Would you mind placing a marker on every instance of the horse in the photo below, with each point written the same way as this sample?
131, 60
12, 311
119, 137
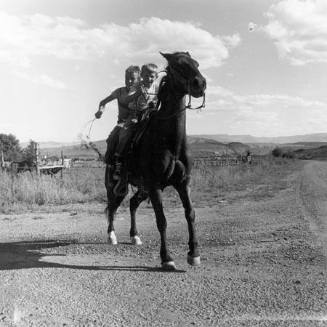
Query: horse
162, 157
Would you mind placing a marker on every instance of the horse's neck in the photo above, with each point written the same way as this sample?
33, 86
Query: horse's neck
172, 120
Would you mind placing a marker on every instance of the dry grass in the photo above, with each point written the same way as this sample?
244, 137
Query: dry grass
27, 191
212, 184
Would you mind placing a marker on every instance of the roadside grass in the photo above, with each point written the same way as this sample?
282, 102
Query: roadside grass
83, 185
210, 185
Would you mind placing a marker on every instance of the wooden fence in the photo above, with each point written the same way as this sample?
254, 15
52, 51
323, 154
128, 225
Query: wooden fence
220, 161
36, 164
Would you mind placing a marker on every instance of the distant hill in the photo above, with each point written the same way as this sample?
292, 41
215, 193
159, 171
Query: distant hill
303, 145
225, 138
319, 153
50, 145
238, 147
74, 151
221, 144
198, 146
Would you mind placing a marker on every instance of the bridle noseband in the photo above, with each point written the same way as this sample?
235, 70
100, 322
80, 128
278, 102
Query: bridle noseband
189, 105
170, 74
188, 82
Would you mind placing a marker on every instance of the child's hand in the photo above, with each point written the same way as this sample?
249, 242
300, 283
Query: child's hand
98, 114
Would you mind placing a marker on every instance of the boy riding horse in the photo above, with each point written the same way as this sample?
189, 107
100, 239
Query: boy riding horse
134, 103
124, 96
144, 101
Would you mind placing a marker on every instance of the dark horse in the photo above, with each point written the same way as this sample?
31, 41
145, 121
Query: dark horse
162, 158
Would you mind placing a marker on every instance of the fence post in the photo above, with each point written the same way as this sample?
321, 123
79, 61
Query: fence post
36, 157
62, 163
2, 160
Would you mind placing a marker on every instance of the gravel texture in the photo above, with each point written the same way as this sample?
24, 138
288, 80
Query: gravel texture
263, 263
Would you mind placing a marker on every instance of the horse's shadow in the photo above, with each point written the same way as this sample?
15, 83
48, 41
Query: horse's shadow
28, 254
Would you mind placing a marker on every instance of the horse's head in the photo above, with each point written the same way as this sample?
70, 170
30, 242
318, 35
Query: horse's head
185, 72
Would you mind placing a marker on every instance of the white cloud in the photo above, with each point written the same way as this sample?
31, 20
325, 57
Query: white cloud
233, 40
42, 80
262, 114
299, 30
219, 95
22, 37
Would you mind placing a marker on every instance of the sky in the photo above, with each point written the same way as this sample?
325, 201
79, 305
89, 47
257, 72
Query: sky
265, 62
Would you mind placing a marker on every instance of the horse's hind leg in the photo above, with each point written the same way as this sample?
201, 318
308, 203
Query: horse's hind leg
193, 256
134, 203
156, 199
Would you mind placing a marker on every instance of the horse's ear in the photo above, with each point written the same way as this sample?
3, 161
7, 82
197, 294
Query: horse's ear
168, 56
188, 53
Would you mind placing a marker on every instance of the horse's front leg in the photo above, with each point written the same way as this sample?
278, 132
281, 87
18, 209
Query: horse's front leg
113, 203
134, 203
167, 262
193, 256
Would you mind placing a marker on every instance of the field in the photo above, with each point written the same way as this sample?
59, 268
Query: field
263, 243
86, 184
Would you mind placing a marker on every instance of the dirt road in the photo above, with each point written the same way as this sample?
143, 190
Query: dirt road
262, 250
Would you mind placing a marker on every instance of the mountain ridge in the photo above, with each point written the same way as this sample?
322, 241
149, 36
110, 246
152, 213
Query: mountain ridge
222, 138
244, 138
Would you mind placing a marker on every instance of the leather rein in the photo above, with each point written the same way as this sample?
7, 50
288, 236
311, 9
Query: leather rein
189, 104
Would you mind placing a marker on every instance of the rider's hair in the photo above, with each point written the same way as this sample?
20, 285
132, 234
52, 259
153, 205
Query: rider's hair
132, 69
149, 68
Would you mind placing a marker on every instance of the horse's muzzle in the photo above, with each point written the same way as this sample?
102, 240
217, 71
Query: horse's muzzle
198, 86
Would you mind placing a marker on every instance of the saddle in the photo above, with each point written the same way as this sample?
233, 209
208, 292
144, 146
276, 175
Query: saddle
121, 186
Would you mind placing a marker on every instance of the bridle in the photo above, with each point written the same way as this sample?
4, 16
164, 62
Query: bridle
189, 105
170, 73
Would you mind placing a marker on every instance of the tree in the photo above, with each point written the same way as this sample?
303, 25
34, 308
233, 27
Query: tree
29, 153
10, 147
277, 152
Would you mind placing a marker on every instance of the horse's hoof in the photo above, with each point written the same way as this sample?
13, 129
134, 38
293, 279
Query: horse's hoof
112, 239
169, 265
193, 261
136, 240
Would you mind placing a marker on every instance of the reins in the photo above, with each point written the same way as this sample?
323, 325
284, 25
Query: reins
189, 104
87, 142
91, 125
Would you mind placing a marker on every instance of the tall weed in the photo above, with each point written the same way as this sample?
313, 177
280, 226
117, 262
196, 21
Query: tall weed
86, 185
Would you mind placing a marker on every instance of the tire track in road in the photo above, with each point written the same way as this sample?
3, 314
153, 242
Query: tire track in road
312, 196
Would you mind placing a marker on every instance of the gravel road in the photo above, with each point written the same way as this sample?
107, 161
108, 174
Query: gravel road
263, 263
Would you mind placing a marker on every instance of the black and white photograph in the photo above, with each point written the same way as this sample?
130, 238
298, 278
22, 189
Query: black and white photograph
163, 163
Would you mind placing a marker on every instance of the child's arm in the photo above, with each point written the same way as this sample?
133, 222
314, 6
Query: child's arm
102, 104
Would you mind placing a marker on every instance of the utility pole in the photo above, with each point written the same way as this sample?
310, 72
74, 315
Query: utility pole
36, 156
2, 159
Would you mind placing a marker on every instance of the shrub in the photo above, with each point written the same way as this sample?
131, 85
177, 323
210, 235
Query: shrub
277, 152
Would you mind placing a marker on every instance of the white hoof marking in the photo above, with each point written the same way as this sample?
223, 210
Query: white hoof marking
194, 261
112, 239
136, 240
170, 265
